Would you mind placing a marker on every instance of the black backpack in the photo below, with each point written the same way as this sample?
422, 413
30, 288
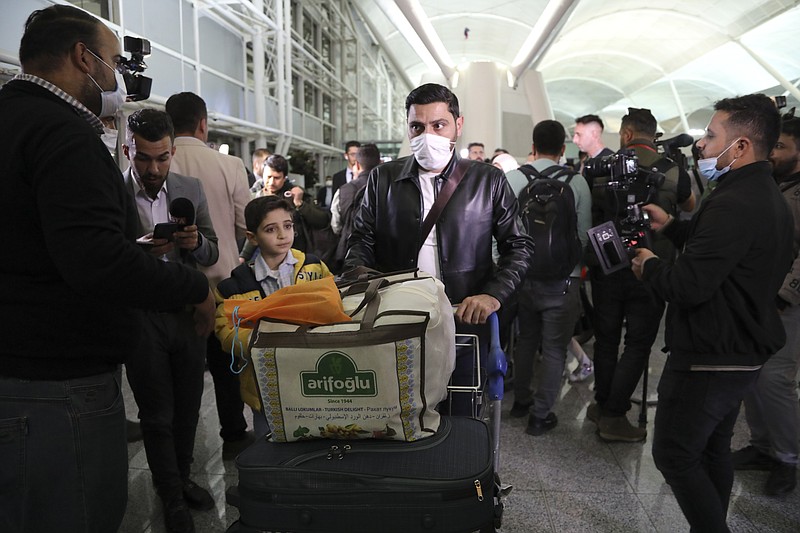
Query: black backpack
547, 206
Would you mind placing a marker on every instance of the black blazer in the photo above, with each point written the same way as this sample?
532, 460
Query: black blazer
339, 179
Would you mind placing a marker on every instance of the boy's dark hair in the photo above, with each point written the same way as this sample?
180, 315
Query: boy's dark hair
51, 33
257, 210
150, 124
791, 127
350, 144
368, 157
278, 163
753, 116
431, 93
588, 119
186, 111
470, 145
548, 137
641, 121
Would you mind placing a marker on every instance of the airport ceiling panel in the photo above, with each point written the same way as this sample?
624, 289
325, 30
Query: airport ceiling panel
478, 30
608, 54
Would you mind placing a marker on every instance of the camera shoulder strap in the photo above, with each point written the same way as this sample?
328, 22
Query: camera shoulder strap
663, 164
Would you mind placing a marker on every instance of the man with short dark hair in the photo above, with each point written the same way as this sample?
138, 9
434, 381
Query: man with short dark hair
166, 375
387, 231
548, 308
722, 322
345, 175
588, 137
348, 198
74, 292
771, 409
620, 300
225, 185
476, 152
306, 216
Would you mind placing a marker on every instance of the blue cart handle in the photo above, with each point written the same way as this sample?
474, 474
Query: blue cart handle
495, 365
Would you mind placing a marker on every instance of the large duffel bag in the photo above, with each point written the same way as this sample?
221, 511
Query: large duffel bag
380, 376
442, 484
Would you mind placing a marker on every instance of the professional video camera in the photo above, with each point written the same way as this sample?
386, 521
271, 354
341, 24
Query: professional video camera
672, 147
622, 164
138, 86
628, 188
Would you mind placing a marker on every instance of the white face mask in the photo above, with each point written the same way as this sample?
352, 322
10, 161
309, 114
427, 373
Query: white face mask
111, 100
432, 152
708, 166
109, 138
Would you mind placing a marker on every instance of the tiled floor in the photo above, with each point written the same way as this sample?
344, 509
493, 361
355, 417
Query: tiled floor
564, 481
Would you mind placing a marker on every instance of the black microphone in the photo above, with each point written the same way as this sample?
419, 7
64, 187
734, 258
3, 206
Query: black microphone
680, 141
182, 208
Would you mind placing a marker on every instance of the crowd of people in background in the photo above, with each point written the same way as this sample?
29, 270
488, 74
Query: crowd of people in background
140, 263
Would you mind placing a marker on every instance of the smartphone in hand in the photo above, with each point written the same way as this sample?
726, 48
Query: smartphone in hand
166, 230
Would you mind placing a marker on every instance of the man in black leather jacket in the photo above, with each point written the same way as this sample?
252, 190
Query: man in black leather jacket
386, 232
387, 229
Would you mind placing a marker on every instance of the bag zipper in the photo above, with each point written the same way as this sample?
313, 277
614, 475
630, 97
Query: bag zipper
336, 451
340, 451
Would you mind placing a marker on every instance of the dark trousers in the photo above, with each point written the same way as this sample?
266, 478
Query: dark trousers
548, 311
621, 299
166, 377
692, 440
63, 455
230, 406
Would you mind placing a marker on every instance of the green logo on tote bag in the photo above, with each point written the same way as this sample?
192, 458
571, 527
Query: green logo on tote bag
337, 375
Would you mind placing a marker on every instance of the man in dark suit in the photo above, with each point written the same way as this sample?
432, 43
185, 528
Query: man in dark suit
167, 375
346, 175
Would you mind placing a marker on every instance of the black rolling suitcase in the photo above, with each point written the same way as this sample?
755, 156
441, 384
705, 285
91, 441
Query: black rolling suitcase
443, 484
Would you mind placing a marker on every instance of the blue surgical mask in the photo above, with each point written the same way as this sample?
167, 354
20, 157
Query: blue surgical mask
111, 100
708, 167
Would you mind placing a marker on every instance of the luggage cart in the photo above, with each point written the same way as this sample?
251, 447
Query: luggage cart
328, 490
487, 381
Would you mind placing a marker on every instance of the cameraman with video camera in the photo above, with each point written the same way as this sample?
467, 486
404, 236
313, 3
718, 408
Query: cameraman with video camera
619, 298
723, 322
72, 298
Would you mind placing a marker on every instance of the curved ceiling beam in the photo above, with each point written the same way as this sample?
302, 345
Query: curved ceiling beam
544, 32
415, 15
770, 69
407, 32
